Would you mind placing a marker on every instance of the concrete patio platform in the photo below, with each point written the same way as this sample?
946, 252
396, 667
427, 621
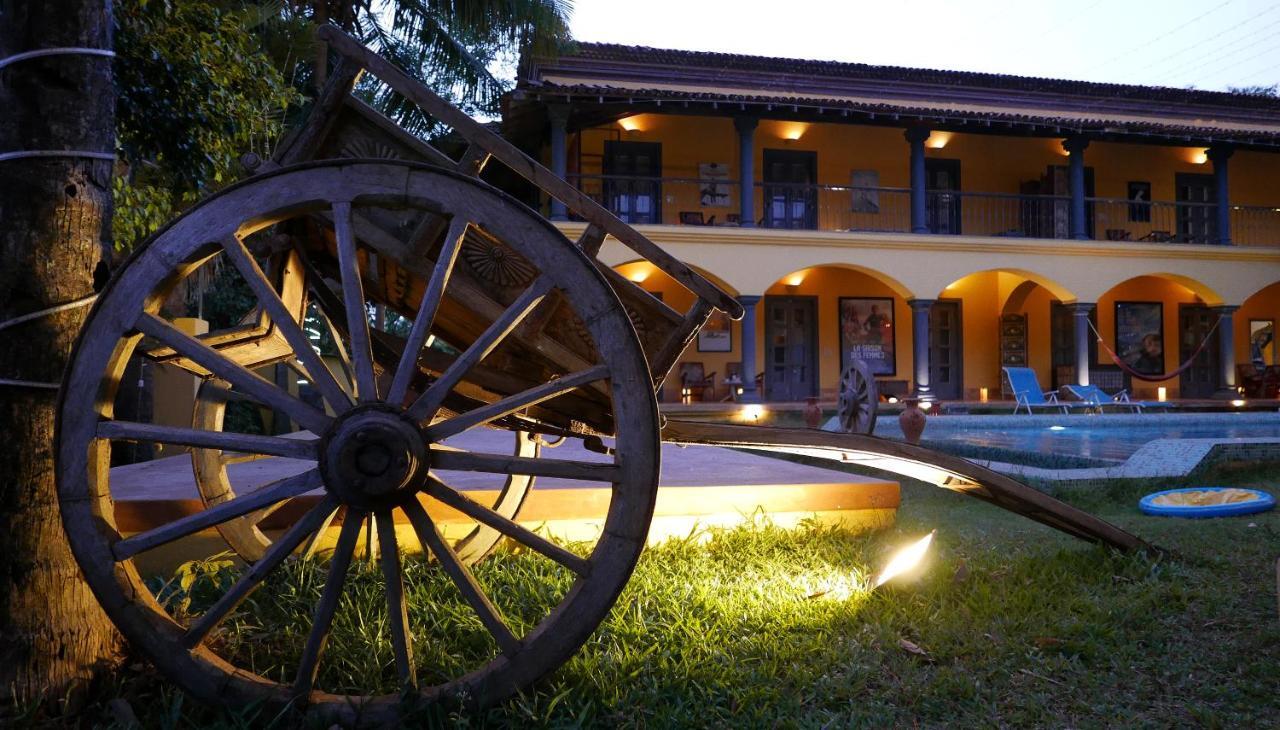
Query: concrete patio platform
701, 487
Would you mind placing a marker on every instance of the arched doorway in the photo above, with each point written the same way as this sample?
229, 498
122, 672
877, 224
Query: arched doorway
1157, 322
988, 320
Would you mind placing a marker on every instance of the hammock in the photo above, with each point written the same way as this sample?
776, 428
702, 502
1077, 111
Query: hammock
1156, 378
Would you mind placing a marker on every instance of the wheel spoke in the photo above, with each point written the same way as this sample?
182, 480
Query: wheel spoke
590, 471
353, 301
341, 349
217, 514
427, 310
397, 608
253, 577
471, 591
430, 401
281, 317
252, 384
242, 443
517, 402
313, 544
309, 664
439, 491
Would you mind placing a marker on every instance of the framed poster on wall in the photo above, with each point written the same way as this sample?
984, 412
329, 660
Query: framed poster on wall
717, 334
1262, 342
867, 333
1140, 336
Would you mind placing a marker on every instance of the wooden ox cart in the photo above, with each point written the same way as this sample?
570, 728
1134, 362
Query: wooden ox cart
543, 342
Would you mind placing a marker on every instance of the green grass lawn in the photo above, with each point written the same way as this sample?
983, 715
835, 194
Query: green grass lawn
1010, 624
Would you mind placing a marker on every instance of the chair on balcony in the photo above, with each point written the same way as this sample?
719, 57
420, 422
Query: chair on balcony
1028, 394
1098, 398
695, 385
695, 218
1158, 237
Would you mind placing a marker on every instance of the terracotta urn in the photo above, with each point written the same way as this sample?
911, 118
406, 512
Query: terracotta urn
912, 420
812, 413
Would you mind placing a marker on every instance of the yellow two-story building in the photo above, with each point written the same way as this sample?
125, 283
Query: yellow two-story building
938, 225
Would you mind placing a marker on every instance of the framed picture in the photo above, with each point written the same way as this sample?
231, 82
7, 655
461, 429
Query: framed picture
1139, 201
866, 198
867, 333
1262, 342
713, 184
717, 334
1140, 336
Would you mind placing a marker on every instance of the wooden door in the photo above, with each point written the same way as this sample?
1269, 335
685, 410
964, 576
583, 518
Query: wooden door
946, 350
790, 195
942, 183
1200, 380
633, 180
1197, 215
791, 370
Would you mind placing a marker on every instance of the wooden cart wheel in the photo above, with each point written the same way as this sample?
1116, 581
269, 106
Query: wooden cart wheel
250, 543
859, 399
381, 455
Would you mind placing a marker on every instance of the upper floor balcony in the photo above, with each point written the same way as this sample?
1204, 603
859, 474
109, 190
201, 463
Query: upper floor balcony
716, 201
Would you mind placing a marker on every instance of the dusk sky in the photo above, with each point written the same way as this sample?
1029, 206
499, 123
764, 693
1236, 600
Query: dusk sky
1207, 44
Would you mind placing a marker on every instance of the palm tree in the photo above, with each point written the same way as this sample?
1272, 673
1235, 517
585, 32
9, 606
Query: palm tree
461, 48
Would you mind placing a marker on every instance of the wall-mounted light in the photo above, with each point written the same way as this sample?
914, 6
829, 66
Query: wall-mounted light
631, 124
937, 140
795, 279
1162, 394
1199, 157
639, 274
792, 131
982, 395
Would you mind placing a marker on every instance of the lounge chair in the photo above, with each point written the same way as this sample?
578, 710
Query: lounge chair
1028, 394
1098, 398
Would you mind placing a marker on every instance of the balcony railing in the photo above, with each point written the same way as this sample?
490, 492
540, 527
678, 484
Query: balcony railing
715, 202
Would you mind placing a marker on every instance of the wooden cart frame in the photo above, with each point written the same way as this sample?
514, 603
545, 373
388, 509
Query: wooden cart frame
549, 344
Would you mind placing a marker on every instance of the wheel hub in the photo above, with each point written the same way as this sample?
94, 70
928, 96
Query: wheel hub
371, 454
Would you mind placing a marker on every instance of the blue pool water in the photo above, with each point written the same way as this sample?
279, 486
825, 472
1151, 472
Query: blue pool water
1112, 437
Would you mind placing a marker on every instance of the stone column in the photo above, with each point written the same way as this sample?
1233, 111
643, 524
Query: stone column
559, 117
1075, 147
919, 194
920, 346
749, 392
746, 127
1219, 154
1227, 353
1081, 312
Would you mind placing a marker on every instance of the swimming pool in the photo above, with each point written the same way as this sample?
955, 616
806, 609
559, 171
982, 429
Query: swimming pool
1113, 437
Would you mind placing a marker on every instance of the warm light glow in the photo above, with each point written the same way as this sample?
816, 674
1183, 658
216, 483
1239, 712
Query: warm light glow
982, 395
951, 286
753, 412
741, 391
639, 274
1237, 402
893, 399
937, 140
905, 559
795, 279
631, 123
926, 405
792, 130
1162, 394
1198, 157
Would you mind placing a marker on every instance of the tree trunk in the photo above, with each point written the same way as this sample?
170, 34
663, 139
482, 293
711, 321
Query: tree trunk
56, 214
